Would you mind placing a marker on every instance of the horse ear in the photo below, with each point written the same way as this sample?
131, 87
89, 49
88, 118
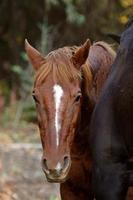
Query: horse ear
34, 56
80, 56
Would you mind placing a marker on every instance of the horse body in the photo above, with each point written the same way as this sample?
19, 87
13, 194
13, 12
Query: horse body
79, 182
112, 129
67, 85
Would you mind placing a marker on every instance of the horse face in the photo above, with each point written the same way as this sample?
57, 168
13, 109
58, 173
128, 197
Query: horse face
58, 106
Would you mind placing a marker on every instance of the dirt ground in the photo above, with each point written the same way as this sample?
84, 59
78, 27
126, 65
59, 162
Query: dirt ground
21, 176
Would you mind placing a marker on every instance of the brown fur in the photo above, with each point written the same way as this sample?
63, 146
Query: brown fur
59, 63
58, 68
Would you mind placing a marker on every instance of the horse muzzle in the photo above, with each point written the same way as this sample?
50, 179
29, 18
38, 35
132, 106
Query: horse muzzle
57, 173
55, 177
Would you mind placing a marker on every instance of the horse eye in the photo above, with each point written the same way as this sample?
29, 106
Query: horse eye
35, 98
78, 98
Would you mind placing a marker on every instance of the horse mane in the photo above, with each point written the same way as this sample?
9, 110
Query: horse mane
59, 64
107, 47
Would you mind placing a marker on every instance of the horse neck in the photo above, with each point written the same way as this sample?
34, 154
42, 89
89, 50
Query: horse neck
81, 143
85, 115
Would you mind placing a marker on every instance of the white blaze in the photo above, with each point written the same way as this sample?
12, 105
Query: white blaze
58, 93
58, 166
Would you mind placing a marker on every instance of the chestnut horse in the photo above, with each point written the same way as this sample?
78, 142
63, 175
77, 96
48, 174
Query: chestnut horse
67, 85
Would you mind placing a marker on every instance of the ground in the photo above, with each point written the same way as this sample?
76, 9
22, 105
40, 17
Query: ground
21, 176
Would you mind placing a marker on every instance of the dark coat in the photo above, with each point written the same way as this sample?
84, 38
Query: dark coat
112, 127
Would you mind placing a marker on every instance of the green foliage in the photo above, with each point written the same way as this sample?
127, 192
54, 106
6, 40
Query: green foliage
8, 116
26, 106
48, 24
50, 3
29, 113
46, 42
4, 89
53, 197
73, 16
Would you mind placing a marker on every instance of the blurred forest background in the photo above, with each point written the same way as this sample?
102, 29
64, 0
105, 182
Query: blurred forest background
47, 24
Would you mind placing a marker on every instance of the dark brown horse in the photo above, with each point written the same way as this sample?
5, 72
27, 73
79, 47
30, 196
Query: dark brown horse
67, 85
112, 127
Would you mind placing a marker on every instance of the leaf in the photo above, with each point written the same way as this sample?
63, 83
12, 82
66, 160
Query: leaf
17, 69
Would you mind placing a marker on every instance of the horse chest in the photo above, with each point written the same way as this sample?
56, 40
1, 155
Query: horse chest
80, 172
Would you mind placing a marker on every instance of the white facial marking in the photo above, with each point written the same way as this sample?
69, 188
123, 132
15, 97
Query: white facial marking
58, 166
58, 93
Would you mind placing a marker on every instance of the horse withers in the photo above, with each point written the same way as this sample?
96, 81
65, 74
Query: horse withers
67, 85
112, 127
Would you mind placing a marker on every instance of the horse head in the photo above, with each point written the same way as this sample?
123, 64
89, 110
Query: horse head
58, 97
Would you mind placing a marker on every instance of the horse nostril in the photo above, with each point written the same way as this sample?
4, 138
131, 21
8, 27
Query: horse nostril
66, 162
52, 170
44, 165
